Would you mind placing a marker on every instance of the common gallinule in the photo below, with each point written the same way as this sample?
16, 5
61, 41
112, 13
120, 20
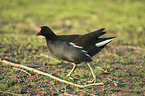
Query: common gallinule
75, 48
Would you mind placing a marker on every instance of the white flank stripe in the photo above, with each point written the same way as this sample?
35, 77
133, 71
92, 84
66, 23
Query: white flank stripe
89, 56
84, 51
75, 45
103, 42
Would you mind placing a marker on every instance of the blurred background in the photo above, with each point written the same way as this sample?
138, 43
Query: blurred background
122, 18
123, 57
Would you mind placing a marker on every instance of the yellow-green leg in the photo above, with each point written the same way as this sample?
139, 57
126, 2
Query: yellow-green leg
73, 69
92, 71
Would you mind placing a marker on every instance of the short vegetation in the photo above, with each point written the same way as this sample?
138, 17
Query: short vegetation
123, 58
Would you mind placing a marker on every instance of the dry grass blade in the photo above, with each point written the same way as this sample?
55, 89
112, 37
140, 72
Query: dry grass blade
49, 75
22, 70
9, 93
114, 82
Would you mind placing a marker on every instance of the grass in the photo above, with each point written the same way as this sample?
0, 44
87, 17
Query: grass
123, 57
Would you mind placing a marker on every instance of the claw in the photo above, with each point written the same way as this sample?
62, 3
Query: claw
71, 78
93, 81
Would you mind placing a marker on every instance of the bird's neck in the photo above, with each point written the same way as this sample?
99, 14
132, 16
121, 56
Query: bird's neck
50, 37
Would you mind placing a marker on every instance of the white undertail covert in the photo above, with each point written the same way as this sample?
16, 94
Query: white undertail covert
103, 42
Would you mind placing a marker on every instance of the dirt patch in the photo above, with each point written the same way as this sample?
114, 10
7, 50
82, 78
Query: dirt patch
125, 65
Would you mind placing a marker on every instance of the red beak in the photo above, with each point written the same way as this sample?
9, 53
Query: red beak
38, 33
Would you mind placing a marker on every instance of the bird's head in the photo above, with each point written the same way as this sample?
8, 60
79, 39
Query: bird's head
45, 31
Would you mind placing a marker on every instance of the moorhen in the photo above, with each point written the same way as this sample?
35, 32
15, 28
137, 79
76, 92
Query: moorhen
75, 48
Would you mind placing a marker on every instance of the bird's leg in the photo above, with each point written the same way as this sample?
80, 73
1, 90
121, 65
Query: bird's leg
92, 71
73, 69
104, 71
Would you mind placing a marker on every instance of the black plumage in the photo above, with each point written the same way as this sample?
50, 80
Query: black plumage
75, 48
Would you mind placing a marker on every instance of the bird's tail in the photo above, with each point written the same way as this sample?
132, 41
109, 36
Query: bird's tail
103, 41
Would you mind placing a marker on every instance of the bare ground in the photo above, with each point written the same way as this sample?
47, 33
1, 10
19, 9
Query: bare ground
125, 65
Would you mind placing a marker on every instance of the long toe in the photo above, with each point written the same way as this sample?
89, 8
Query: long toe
93, 81
69, 74
71, 78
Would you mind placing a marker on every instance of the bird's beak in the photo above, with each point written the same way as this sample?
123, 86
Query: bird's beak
38, 33
35, 35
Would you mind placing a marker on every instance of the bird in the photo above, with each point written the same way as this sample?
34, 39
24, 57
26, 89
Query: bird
75, 48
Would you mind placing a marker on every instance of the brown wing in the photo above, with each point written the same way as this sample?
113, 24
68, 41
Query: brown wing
89, 39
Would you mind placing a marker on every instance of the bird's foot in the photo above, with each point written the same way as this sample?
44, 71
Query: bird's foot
69, 74
104, 71
71, 78
93, 81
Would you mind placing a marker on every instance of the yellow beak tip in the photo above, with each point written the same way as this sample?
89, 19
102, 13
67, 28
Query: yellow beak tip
35, 35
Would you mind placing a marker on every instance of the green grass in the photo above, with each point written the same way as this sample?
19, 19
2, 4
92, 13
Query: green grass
124, 19
123, 57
